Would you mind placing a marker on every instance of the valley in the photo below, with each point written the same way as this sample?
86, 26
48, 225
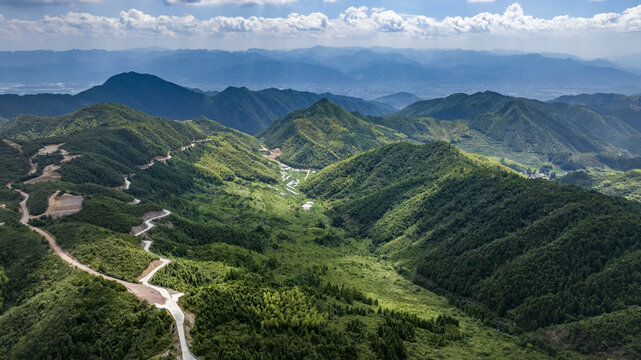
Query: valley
328, 235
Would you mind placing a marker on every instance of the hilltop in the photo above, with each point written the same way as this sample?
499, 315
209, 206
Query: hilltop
557, 133
323, 133
456, 106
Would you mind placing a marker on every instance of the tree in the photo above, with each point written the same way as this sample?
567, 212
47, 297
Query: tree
3, 281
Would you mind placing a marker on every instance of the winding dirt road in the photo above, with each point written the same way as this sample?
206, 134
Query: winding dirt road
141, 291
160, 297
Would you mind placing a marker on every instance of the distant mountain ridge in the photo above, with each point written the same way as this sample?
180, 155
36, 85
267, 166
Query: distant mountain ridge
238, 108
360, 72
398, 100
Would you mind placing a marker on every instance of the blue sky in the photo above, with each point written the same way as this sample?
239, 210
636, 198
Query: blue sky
586, 28
435, 8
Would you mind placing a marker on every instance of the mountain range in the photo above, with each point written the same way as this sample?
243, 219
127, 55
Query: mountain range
364, 73
240, 108
529, 131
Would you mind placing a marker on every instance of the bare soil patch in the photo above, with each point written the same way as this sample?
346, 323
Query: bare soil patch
65, 204
49, 173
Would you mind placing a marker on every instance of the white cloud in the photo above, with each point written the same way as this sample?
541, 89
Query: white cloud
359, 22
45, 2
228, 2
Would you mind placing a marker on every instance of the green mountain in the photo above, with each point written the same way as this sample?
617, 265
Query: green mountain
567, 135
114, 140
398, 100
530, 125
239, 108
626, 108
456, 106
323, 133
532, 253
147, 93
103, 116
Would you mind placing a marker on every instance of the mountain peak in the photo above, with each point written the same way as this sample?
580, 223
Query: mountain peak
128, 77
457, 106
324, 107
323, 133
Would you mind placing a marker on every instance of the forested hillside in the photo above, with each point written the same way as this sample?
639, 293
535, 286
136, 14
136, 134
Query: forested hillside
531, 251
322, 134
258, 271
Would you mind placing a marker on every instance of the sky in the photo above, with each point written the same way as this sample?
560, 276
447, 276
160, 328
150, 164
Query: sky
586, 28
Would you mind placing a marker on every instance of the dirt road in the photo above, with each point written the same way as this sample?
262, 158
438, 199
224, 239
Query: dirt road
141, 291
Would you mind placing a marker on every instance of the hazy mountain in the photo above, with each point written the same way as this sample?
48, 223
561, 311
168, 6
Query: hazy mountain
366, 73
322, 134
628, 61
398, 100
239, 108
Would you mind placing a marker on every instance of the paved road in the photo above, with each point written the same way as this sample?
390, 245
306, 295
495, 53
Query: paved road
171, 301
